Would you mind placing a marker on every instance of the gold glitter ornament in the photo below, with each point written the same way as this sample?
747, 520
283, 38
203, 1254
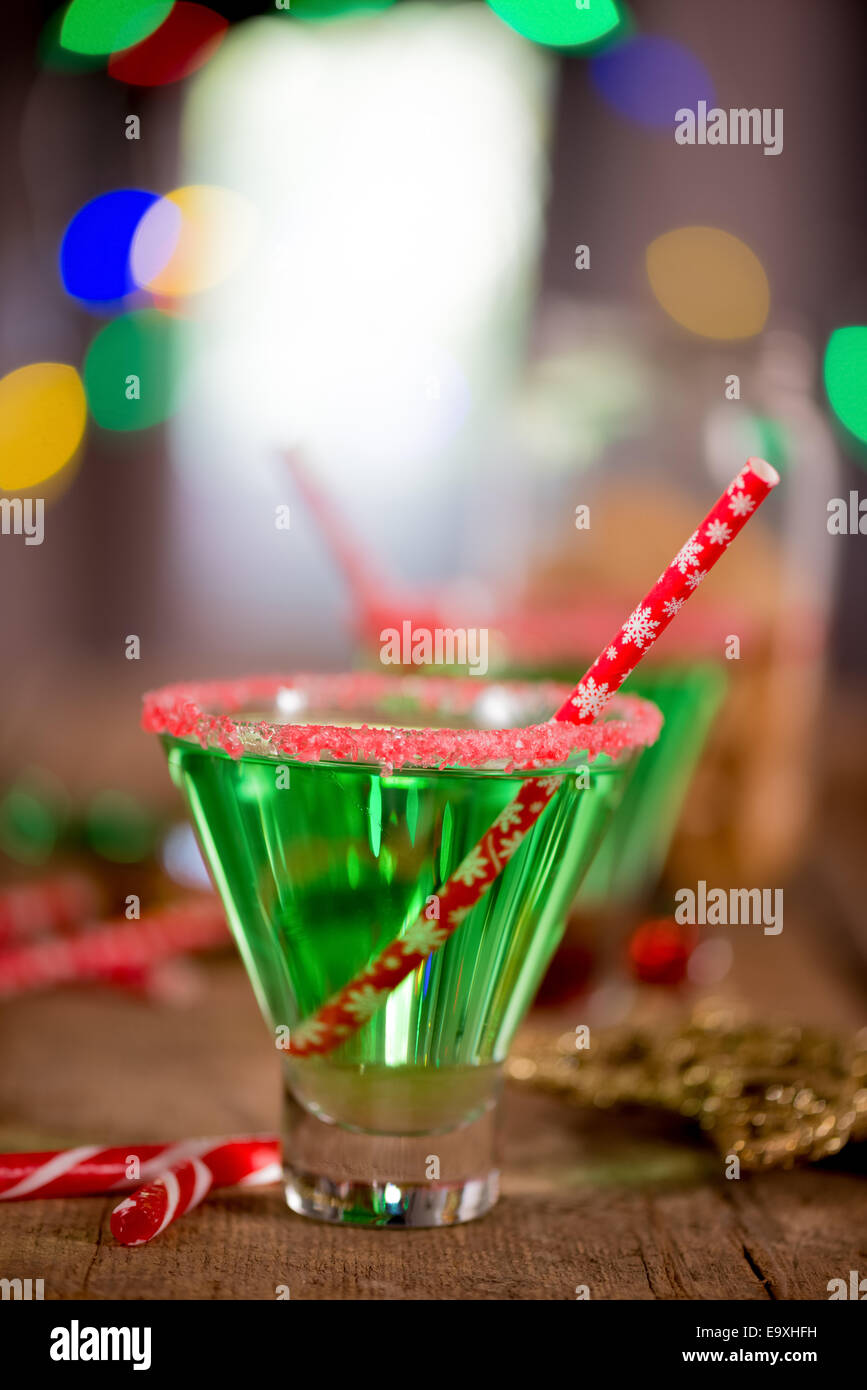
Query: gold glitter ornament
771, 1095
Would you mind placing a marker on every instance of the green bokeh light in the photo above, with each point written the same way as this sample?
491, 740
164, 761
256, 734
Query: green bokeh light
107, 26
774, 443
33, 816
846, 378
55, 58
144, 344
560, 23
119, 828
333, 9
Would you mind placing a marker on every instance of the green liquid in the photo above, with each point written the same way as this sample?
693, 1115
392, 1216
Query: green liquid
632, 856
320, 875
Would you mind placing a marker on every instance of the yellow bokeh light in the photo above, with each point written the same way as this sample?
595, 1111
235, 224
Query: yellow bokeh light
42, 417
709, 282
192, 239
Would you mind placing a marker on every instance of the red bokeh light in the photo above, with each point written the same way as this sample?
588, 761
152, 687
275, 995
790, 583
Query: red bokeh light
659, 951
185, 42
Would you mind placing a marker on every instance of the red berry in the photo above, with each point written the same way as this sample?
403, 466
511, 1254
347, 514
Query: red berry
659, 951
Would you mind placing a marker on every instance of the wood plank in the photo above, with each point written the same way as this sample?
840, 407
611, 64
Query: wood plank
631, 1207
774, 1236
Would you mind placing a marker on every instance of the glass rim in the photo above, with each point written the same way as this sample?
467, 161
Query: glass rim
226, 716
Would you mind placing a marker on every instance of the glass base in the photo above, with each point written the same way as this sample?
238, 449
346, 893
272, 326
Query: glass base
359, 1179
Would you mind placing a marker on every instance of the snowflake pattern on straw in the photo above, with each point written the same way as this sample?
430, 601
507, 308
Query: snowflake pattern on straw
693, 580
639, 627
688, 554
364, 1001
611, 653
672, 606
718, 532
308, 1034
512, 815
457, 915
508, 846
590, 698
423, 936
475, 866
741, 504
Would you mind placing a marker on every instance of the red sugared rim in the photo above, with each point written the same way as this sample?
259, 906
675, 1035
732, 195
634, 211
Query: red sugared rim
212, 713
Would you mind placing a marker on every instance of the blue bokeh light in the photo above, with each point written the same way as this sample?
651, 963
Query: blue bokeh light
647, 79
95, 251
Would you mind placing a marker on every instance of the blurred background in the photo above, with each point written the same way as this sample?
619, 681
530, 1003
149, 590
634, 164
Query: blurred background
450, 257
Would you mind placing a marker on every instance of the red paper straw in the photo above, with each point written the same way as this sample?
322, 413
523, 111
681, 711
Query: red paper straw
47, 906
351, 1006
185, 1184
90, 1171
115, 950
367, 585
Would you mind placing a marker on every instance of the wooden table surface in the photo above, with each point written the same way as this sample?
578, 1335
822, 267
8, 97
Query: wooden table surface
631, 1207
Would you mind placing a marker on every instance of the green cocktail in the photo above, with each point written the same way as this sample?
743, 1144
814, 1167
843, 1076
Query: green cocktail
321, 863
628, 865
689, 694
688, 687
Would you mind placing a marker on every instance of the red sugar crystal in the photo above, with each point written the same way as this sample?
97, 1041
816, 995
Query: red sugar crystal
212, 713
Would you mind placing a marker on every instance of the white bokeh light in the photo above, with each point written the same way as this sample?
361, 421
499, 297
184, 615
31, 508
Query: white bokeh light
396, 164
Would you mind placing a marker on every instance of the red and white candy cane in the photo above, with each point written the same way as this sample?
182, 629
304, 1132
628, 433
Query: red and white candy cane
184, 1185
362, 996
70, 905
90, 1171
115, 950
48, 906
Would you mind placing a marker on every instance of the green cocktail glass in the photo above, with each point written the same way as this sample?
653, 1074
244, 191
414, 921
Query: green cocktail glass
629, 863
324, 850
688, 688
626, 868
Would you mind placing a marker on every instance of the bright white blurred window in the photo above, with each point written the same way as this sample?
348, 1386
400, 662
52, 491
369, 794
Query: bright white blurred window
396, 164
